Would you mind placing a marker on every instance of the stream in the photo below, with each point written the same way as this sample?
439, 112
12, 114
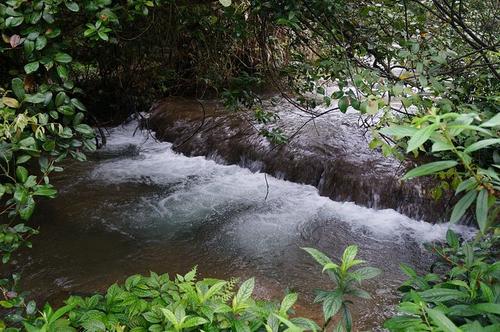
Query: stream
138, 206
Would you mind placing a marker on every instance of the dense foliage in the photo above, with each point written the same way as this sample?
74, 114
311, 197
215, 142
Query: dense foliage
158, 303
423, 74
461, 293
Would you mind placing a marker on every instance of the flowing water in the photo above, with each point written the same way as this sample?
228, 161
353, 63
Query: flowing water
137, 206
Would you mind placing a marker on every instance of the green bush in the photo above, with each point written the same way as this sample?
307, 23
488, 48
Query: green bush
160, 303
463, 294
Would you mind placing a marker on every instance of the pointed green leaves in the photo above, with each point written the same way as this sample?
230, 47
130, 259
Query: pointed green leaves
225, 3
443, 322
482, 209
430, 168
493, 122
420, 137
482, 144
462, 205
18, 88
318, 256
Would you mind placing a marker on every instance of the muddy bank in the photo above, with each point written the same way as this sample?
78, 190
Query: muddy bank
330, 153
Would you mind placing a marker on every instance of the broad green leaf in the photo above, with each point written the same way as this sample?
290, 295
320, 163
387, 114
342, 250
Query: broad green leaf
365, 273
244, 293
31, 67
45, 190
321, 258
467, 185
78, 104
21, 174
443, 294
441, 146
430, 168
10, 102
73, 6
493, 122
84, 129
194, 321
452, 239
27, 209
169, 315
462, 205
18, 88
288, 302
225, 3
399, 131
482, 209
443, 322
62, 72
493, 308
63, 58
331, 305
482, 144
420, 137
40, 42
348, 257
343, 104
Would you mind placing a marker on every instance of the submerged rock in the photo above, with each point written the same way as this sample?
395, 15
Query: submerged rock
330, 152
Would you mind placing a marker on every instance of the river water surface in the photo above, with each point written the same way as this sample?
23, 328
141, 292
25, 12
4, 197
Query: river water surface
137, 206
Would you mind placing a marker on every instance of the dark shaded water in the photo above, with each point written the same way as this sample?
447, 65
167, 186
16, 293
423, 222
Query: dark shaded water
137, 206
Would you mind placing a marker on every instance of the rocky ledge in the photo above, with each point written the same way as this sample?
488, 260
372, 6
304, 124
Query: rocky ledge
330, 153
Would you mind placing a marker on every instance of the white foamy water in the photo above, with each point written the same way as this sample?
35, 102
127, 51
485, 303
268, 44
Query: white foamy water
137, 206
215, 187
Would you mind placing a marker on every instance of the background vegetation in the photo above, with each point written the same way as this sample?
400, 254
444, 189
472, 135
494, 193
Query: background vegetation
422, 73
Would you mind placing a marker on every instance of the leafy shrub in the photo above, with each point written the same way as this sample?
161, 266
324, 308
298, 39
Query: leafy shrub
462, 295
161, 303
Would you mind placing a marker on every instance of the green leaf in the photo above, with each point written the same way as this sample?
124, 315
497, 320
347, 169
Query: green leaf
420, 137
482, 144
482, 209
45, 190
27, 209
40, 43
430, 168
18, 88
452, 239
73, 6
169, 315
225, 3
443, 295
348, 256
60, 98
31, 67
62, 72
37, 98
321, 258
21, 174
399, 131
22, 159
443, 322
78, 104
28, 141
467, 185
441, 146
493, 122
194, 321
331, 305
288, 302
493, 308
462, 205
343, 104
365, 273
103, 35
63, 58
245, 291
